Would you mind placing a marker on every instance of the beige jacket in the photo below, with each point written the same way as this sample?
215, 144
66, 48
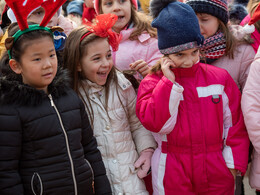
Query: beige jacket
251, 110
120, 137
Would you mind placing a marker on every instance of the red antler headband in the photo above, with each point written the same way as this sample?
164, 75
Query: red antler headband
102, 27
22, 8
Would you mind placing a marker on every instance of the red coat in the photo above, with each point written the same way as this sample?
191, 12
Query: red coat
199, 127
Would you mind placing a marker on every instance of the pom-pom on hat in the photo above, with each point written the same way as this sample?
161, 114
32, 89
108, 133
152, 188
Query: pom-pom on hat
96, 5
217, 8
250, 27
177, 26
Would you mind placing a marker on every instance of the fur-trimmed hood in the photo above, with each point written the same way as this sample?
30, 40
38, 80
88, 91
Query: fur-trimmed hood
15, 92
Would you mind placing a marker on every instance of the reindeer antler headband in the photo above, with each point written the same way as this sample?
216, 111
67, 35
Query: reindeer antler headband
102, 27
22, 8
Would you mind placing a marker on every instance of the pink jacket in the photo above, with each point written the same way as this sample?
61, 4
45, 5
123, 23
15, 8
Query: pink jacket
238, 67
145, 48
198, 125
251, 111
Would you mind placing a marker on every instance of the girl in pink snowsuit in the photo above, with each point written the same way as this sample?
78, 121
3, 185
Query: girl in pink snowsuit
193, 110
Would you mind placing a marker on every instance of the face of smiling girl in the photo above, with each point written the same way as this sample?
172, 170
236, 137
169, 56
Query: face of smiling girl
121, 8
97, 62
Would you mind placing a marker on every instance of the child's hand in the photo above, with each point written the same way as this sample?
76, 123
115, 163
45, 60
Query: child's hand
166, 65
141, 66
144, 162
234, 172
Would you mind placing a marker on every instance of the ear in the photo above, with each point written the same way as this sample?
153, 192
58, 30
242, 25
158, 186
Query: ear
15, 66
79, 69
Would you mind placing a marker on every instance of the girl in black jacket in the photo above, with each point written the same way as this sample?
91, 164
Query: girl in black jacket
46, 141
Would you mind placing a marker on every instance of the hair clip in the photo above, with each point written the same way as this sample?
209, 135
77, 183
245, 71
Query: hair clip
102, 27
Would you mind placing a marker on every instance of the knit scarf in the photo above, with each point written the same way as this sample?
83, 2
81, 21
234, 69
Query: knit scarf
214, 47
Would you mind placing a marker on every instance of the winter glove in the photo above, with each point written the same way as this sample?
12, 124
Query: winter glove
143, 163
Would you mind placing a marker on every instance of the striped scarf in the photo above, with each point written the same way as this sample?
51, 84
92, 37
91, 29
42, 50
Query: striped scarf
214, 47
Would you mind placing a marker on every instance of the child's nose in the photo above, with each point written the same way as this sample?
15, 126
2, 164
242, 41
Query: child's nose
47, 64
105, 63
117, 6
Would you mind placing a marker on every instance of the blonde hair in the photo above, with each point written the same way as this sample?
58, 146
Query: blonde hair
141, 22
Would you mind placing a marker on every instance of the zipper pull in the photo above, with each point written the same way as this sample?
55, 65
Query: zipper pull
52, 103
93, 187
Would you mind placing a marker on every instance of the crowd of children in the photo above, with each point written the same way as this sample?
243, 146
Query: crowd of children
105, 98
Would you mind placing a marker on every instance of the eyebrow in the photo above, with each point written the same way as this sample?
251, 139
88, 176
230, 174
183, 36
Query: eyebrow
37, 54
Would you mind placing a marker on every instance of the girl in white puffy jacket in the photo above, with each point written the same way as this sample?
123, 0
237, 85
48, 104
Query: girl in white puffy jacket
126, 146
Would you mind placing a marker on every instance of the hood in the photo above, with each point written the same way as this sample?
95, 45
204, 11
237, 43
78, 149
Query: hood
16, 92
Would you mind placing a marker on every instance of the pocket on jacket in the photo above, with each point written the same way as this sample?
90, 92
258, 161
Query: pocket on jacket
36, 184
132, 168
92, 174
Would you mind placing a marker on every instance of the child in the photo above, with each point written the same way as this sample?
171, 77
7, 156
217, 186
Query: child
47, 144
110, 102
57, 20
138, 48
222, 48
75, 10
251, 107
193, 110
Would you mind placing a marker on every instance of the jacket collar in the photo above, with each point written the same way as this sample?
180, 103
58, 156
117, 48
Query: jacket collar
127, 32
13, 91
95, 88
186, 72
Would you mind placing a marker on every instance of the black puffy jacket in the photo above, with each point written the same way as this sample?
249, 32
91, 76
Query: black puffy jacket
46, 142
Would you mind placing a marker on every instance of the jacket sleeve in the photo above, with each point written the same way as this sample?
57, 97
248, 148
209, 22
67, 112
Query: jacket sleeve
142, 137
246, 60
251, 104
236, 142
153, 54
93, 155
10, 152
157, 103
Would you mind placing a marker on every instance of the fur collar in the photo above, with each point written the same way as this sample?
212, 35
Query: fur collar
15, 92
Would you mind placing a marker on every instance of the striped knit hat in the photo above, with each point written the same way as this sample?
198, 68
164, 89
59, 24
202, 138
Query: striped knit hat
217, 8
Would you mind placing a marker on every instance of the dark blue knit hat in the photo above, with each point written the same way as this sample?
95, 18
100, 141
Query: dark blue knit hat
177, 26
217, 8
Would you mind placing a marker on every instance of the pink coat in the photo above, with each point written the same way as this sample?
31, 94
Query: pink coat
198, 125
238, 67
251, 111
145, 48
